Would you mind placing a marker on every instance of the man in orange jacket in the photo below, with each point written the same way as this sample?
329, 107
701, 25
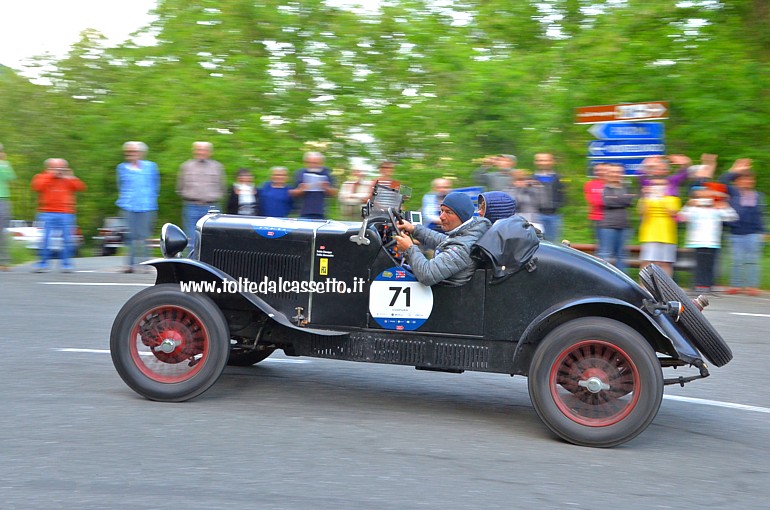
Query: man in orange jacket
56, 188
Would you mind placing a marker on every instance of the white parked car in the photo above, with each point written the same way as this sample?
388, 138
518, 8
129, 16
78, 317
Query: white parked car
31, 234
25, 232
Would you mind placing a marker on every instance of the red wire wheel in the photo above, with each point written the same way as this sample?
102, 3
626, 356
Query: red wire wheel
595, 381
169, 345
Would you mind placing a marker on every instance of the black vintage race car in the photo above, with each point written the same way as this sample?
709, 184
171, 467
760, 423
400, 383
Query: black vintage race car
593, 343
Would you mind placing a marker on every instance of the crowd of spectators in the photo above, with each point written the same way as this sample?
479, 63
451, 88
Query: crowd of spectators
674, 195
671, 197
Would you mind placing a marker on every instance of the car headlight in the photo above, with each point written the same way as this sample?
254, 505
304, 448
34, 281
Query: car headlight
172, 240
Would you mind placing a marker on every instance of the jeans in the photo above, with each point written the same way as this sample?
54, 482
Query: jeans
745, 255
612, 245
551, 226
191, 213
57, 222
140, 226
5, 218
705, 262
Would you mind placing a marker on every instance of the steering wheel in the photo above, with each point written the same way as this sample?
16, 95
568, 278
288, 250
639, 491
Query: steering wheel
395, 217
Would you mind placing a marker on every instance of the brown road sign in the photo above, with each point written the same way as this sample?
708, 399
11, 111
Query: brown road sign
657, 110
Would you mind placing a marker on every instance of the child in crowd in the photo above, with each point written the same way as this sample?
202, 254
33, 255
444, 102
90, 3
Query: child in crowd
243, 195
704, 213
657, 231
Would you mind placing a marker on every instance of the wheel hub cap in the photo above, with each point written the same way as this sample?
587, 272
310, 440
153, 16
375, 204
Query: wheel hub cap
167, 345
594, 385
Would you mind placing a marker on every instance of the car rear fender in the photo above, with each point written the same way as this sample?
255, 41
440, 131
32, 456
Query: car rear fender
659, 331
189, 270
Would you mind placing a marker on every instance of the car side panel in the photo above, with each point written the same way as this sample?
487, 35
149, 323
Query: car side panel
561, 276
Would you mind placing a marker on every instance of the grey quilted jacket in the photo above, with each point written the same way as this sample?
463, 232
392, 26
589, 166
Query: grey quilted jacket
451, 262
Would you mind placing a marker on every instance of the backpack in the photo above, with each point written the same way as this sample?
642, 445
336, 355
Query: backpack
509, 245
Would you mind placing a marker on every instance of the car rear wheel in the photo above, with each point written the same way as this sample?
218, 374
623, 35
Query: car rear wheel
697, 328
595, 382
168, 345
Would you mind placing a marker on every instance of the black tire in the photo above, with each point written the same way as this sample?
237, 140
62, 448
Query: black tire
168, 345
692, 322
107, 252
595, 382
247, 357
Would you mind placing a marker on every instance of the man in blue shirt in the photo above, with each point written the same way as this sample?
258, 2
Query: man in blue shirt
553, 196
274, 198
431, 203
313, 184
138, 188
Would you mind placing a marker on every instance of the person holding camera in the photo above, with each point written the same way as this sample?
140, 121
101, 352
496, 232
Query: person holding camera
705, 213
56, 188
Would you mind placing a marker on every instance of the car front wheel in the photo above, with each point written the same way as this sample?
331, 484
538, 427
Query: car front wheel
595, 382
168, 345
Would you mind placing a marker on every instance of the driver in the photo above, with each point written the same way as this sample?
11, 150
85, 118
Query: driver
451, 263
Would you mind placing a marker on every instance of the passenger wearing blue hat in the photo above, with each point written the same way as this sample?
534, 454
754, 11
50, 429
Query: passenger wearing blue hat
496, 205
451, 262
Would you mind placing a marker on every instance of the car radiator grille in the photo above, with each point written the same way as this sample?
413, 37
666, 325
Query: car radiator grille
256, 266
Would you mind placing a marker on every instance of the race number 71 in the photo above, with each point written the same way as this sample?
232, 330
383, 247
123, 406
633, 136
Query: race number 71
399, 290
398, 301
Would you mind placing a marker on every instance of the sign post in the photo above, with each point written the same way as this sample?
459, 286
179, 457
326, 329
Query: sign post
627, 131
628, 112
620, 136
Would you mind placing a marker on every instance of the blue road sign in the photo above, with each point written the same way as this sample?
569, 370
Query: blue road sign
627, 130
631, 166
625, 148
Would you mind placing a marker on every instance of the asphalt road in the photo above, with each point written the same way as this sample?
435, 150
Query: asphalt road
301, 433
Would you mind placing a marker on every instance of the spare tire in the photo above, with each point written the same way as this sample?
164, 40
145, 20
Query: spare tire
691, 321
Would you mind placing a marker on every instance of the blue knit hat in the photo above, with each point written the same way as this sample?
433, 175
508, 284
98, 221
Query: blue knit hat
499, 205
461, 204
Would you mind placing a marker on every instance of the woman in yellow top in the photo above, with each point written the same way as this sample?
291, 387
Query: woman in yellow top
657, 230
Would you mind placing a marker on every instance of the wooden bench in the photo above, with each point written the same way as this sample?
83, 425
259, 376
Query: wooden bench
685, 257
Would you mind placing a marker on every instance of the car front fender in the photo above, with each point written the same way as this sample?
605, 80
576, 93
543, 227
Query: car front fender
179, 270
660, 331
